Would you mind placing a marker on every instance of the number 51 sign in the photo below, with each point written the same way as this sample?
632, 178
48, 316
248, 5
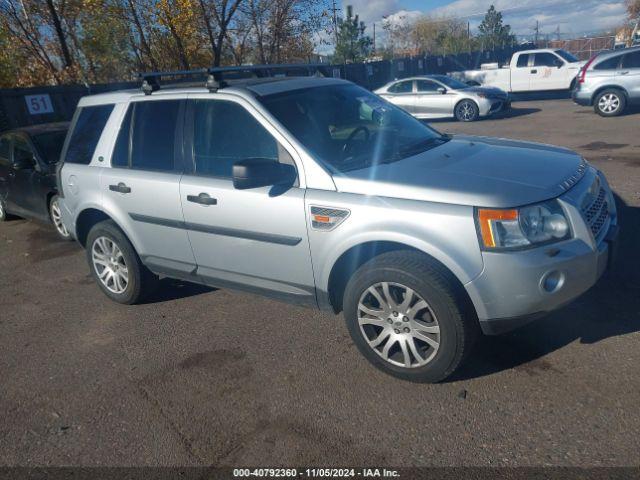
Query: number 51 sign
38, 104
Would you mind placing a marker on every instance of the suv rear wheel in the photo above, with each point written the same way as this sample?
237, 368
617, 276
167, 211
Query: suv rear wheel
610, 103
406, 317
56, 218
115, 265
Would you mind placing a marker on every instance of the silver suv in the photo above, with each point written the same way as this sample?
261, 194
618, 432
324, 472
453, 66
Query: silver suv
318, 192
610, 82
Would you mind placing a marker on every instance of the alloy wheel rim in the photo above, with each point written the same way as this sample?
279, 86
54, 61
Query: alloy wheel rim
56, 216
109, 264
398, 324
609, 103
466, 111
1, 210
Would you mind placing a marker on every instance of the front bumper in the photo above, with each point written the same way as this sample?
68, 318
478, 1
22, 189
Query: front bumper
517, 287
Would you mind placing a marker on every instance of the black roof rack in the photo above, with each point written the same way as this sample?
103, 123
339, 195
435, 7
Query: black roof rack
215, 75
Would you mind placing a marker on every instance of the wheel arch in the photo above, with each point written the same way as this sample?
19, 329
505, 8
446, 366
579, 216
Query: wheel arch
609, 87
89, 217
355, 256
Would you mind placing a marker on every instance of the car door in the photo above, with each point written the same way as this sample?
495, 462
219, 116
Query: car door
25, 177
142, 187
629, 75
5, 166
402, 94
431, 101
549, 72
521, 73
254, 239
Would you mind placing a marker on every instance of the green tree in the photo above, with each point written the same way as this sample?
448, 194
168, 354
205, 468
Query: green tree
493, 32
352, 45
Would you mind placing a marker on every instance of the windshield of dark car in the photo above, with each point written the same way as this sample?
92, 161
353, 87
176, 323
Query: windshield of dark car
49, 145
450, 82
348, 128
567, 56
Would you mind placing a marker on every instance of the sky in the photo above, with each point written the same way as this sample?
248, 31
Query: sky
573, 17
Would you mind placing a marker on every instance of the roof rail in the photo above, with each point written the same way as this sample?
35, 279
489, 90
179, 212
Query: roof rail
215, 80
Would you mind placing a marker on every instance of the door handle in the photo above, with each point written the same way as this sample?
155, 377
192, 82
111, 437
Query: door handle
120, 188
626, 72
202, 199
534, 71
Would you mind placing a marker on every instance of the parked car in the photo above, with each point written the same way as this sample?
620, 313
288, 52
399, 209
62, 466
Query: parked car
437, 96
318, 192
610, 82
529, 70
28, 158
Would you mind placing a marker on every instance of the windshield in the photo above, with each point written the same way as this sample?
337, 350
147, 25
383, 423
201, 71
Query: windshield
49, 146
567, 56
348, 128
450, 82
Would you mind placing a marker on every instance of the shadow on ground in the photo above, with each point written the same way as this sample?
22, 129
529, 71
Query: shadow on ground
608, 310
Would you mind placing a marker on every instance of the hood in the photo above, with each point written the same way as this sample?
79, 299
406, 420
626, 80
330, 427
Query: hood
476, 171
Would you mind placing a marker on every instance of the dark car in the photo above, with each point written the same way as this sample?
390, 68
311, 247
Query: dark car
28, 187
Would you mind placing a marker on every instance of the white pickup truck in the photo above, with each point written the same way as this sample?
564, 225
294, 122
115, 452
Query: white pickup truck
529, 70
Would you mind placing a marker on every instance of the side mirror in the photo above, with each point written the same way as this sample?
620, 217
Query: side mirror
559, 63
262, 172
24, 163
442, 90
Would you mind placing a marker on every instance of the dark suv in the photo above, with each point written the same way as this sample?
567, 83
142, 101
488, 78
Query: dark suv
28, 187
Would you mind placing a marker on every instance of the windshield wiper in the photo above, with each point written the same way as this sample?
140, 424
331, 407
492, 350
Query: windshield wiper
423, 146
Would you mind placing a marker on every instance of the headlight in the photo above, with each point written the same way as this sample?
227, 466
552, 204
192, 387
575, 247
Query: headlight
522, 227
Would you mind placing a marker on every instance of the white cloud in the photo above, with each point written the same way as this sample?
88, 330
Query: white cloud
572, 16
373, 10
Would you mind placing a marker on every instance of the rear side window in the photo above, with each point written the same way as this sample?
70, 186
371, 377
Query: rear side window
88, 127
523, 60
631, 60
608, 64
224, 133
153, 135
402, 87
147, 137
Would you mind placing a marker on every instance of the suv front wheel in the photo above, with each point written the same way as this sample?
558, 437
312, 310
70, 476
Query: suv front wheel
407, 317
115, 265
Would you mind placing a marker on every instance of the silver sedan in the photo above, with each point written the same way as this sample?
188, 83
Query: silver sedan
438, 96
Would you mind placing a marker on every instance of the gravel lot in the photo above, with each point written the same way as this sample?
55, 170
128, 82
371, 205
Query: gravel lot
210, 377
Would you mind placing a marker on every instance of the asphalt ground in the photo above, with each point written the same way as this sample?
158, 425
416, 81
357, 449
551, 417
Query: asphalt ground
212, 377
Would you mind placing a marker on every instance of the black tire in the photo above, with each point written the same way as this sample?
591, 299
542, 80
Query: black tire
467, 111
141, 281
614, 95
56, 219
458, 325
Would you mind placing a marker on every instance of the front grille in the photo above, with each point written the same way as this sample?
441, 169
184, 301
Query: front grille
596, 214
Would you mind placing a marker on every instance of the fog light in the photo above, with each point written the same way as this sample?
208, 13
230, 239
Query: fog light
552, 281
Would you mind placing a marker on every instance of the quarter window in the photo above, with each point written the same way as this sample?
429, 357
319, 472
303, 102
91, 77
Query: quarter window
89, 124
120, 157
225, 132
401, 87
631, 60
